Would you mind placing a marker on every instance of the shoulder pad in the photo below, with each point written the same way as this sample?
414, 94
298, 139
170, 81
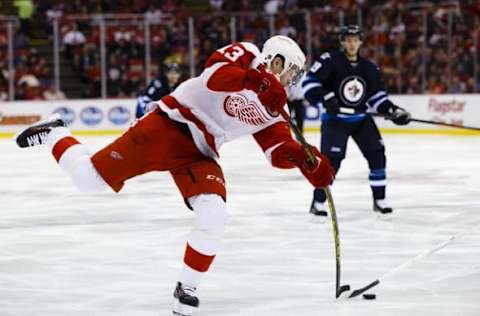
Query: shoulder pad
325, 55
251, 48
157, 84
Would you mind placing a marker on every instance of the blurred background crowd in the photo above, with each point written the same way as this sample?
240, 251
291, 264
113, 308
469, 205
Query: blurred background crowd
421, 46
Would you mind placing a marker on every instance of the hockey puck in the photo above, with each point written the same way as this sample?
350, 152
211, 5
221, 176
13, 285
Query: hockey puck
369, 296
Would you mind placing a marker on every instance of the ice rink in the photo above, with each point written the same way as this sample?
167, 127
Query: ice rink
63, 253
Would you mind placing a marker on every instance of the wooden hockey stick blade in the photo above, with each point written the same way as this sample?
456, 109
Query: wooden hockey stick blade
359, 291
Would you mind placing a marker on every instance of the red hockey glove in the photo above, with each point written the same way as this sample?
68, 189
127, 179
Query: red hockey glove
290, 154
269, 90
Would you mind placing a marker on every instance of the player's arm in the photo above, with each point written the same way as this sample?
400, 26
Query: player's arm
233, 68
379, 101
284, 152
155, 91
228, 67
313, 84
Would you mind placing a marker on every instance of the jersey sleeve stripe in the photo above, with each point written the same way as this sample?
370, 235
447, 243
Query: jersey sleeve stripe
376, 96
269, 151
378, 103
251, 48
306, 88
309, 79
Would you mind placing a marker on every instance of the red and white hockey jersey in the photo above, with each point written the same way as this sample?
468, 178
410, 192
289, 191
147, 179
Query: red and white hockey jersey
217, 108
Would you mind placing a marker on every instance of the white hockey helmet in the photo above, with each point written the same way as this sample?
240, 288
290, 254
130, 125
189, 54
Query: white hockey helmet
288, 49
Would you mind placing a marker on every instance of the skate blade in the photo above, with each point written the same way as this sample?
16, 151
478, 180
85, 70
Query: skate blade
180, 309
318, 219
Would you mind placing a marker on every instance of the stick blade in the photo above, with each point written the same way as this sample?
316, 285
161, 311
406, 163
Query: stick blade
359, 291
342, 289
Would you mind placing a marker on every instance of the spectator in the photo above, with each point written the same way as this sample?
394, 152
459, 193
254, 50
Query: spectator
114, 75
457, 86
435, 86
3, 73
3, 81
20, 92
21, 41
29, 80
52, 93
396, 40
271, 6
25, 13
216, 5
3, 93
55, 13
154, 14
73, 39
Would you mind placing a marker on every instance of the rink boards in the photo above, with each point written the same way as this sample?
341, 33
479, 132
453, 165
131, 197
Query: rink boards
103, 117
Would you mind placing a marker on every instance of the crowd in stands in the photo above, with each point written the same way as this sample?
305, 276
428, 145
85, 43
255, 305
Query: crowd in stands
32, 75
395, 39
32, 78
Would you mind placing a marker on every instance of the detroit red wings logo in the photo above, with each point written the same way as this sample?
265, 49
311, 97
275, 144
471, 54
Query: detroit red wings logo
246, 111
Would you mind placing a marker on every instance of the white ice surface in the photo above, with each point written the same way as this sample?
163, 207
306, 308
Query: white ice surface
64, 253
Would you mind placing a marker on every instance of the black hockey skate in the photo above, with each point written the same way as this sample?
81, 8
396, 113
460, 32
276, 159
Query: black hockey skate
185, 300
35, 135
318, 208
378, 206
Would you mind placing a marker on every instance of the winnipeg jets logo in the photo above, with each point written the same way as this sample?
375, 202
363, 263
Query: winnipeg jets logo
246, 111
352, 90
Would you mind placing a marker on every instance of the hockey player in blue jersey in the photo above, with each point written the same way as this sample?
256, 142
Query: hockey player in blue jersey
161, 86
347, 87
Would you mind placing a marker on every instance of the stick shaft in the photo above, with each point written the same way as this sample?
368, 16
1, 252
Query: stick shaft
411, 261
331, 205
389, 117
445, 124
359, 291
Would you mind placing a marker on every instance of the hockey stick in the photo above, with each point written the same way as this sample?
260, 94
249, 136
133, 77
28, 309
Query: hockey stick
339, 289
422, 255
389, 117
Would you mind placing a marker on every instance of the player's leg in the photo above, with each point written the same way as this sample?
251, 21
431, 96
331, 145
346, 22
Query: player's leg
201, 248
334, 145
137, 151
72, 156
202, 186
371, 145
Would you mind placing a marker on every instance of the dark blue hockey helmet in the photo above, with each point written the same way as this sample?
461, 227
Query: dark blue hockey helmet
348, 30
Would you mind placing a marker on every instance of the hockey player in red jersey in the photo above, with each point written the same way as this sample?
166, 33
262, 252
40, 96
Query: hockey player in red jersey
240, 92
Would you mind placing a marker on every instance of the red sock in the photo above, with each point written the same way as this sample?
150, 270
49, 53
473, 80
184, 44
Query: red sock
196, 260
62, 145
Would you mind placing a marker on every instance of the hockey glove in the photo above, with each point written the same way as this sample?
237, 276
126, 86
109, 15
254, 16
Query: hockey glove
269, 90
399, 115
330, 102
291, 154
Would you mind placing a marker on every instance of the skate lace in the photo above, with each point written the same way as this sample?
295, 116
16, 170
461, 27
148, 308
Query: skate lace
188, 290
37, 139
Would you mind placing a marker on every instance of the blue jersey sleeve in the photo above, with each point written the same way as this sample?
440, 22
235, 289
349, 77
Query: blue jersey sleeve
378, 100
314, 81
155, 91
